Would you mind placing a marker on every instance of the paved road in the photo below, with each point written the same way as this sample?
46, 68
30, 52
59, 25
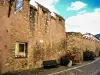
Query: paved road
92, 68
86, 68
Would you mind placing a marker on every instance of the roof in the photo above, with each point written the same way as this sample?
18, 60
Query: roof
91, 36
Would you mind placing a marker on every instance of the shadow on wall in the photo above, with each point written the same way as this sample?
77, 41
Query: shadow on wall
1, 47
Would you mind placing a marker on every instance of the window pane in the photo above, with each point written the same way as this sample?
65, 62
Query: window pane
21, 47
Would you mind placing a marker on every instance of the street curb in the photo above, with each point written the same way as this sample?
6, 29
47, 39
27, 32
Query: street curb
75, 67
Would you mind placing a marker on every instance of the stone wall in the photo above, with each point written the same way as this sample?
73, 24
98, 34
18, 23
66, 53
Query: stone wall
3, 32
17, 29
49, 37
45, 41
76, 44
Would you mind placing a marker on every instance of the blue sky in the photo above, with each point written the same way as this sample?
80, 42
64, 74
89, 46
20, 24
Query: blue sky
62, 6
80, 15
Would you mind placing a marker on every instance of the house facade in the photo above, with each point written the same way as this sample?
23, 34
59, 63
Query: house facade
29, 37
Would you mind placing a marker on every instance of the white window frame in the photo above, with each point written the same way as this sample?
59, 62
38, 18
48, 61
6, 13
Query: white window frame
17, 52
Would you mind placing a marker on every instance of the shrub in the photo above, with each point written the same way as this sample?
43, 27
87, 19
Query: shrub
88, 55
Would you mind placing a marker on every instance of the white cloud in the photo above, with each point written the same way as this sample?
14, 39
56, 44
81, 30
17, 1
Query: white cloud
97, 10
82, 12
48, 4
87, 22
77, 5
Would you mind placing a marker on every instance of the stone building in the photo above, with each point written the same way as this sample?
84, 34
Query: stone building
29, 37
91, 43
77, 43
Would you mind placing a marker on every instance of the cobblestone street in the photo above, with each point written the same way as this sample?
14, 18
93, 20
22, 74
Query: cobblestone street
91, 68
86, 68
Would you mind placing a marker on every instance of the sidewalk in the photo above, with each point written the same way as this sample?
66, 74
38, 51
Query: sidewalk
51, 71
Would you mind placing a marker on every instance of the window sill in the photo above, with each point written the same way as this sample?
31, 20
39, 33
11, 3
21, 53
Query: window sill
18, 56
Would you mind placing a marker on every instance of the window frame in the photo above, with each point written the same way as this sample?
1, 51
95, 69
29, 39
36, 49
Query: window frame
19, 54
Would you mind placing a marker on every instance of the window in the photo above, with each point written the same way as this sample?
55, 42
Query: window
21, 49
